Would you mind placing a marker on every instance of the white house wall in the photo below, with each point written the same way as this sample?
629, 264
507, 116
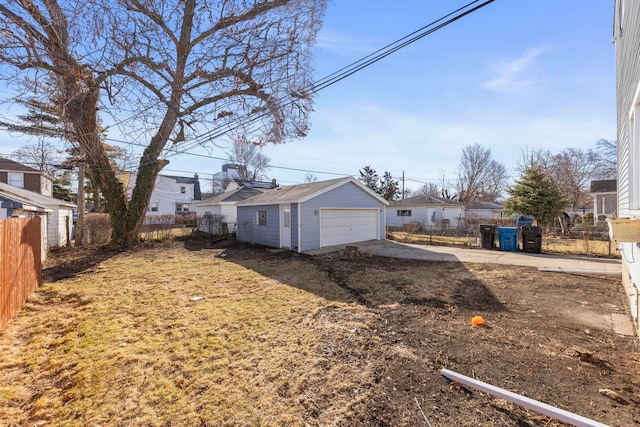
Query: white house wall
627, 42
166, 194
424, 215
228, 211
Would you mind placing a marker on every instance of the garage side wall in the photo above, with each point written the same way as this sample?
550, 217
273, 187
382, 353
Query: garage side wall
345, 196
249, 231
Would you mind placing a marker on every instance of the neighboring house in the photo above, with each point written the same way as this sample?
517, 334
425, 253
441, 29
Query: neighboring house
314, 215
427, 211
605, 198
627, 41
484, 210
174, 195
234, 185
21, 176
57, 215
224, 205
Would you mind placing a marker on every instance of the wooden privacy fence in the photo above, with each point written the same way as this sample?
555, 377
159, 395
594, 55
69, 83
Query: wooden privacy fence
20, 264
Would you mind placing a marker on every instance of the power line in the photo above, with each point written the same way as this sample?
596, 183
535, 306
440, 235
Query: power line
325, 82
354, 67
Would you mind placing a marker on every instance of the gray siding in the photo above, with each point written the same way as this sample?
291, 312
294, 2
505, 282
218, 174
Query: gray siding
249, 230
345, 196
627, 77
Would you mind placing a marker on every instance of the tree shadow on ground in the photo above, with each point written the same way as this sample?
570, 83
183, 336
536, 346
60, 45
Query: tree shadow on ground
371, 281
64, 263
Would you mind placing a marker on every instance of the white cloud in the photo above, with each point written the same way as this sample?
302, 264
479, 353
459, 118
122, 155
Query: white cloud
344, 44
514, 75
422, 143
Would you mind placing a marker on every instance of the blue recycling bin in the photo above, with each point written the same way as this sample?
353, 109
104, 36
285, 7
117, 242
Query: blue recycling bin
508, 238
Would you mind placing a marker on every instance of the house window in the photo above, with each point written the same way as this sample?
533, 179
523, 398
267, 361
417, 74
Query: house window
182, 208
403, 212
183, 189
16, 179
153, 207
262, 217
634, 154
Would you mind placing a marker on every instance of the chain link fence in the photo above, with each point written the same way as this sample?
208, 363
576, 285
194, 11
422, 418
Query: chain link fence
583, 238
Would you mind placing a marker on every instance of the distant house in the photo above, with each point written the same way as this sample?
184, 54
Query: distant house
174, 195
314, 215
56, 214
21, 176
484, 210
265, 185
426, 211
605, 198
626, 29
224, 206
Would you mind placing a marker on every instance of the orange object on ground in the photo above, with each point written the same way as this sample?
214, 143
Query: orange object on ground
477, 321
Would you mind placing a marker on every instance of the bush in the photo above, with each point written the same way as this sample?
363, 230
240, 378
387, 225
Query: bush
159, 226
97, 229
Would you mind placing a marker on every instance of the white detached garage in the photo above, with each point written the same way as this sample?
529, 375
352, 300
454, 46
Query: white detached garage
310, 216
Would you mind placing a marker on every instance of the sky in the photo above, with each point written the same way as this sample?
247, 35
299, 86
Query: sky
512, 76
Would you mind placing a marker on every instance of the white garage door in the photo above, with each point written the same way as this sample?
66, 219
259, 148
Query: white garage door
340, 226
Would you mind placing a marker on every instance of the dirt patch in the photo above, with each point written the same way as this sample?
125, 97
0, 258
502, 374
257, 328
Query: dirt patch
334, 340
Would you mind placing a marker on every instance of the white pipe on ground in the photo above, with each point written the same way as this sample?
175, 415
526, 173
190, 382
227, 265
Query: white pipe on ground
552, 411
567, 270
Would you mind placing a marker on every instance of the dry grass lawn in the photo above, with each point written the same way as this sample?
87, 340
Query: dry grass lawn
192, 334
171, 337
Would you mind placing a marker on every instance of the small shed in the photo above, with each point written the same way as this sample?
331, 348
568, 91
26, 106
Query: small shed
314, 215
57, 215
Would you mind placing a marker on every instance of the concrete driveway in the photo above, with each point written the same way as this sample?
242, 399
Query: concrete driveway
567, 263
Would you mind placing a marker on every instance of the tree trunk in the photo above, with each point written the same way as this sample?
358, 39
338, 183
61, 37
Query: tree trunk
80, 206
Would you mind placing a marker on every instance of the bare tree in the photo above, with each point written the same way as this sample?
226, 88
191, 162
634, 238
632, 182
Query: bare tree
535, 157
480, 177
41, 155
252, 163
429, 189
309, 178
177, 72
571, 171
608, 151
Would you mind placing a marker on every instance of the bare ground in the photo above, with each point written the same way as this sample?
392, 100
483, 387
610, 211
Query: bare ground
368, 354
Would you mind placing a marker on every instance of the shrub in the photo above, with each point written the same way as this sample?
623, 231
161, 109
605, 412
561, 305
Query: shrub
97, 229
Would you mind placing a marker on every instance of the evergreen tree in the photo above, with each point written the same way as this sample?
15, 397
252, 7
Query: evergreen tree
370, 178
389, 187
535, 195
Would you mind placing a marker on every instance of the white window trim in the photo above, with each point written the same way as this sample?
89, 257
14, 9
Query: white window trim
633, 155
266, 218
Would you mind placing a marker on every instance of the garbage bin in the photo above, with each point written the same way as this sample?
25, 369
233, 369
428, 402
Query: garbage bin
487, 236
508, 237
532, 239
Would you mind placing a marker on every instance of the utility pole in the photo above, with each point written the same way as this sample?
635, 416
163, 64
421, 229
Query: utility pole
80, 201
403, 184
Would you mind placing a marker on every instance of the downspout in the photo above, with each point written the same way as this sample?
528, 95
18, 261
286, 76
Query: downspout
299, 208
